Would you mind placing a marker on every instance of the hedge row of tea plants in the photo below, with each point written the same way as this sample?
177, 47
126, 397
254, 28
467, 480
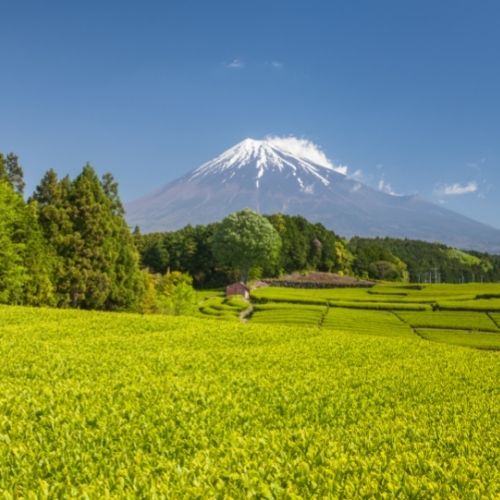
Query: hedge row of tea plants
100, 405
459, 308
466, 338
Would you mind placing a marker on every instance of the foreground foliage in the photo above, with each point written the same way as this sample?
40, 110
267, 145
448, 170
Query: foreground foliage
100, 404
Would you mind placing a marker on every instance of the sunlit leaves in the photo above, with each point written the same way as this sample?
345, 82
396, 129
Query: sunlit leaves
118, 405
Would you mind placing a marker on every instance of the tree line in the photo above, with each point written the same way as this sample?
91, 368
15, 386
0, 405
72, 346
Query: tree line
68, 245
305, 246
194, 249
421, 262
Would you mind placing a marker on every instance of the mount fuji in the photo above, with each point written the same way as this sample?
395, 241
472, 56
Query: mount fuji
293, 176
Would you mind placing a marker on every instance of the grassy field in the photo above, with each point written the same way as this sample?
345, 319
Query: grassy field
101, 405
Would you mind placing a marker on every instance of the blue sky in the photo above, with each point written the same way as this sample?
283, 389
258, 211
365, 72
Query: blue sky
406, 93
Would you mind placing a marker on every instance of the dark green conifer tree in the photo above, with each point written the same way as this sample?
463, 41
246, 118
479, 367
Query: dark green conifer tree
24, 265
3, 169
55, 217
15, 172
96, 262
13, 273
38, 289
127, 283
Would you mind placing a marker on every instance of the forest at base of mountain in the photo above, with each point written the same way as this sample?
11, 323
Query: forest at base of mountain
69, 246
312, 247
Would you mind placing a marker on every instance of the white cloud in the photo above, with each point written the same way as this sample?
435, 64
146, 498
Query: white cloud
236, 64
457, 189
307, 150
476, 165
277, 64
357, 175
386, 187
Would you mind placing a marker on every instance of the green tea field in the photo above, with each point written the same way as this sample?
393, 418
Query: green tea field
348, 403
465, 315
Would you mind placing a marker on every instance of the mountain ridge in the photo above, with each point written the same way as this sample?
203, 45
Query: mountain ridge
294, 176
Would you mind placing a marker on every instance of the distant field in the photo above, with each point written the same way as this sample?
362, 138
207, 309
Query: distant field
467, 338
366, 322
103, 405
495, 318
380, 306
216, 305
382, 293
283, 313
392, 310
450, 319
492, 305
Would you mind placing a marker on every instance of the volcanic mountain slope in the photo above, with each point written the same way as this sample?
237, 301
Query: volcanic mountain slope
293, 176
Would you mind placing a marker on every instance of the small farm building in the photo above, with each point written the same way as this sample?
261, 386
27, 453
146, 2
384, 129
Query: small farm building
238, 289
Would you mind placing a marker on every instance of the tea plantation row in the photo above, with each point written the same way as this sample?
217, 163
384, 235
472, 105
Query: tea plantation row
466, 315
101, 405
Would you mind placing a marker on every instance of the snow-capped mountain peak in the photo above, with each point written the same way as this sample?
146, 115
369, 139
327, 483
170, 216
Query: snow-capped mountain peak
298, 157
293, 176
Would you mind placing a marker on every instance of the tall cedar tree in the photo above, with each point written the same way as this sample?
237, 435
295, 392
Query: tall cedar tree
24, 263
97, 263
55, 216
12, 172
15, 172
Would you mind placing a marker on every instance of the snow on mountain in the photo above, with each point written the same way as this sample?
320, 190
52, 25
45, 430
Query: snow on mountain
294, 176
301, 157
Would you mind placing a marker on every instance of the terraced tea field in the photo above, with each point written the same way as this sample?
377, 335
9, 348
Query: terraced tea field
222, 308
454, 314
479, 340
103, 405
473, 321
491, 305
383, 323
282, 313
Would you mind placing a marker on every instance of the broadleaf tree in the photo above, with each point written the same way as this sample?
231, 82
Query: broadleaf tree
244, 240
